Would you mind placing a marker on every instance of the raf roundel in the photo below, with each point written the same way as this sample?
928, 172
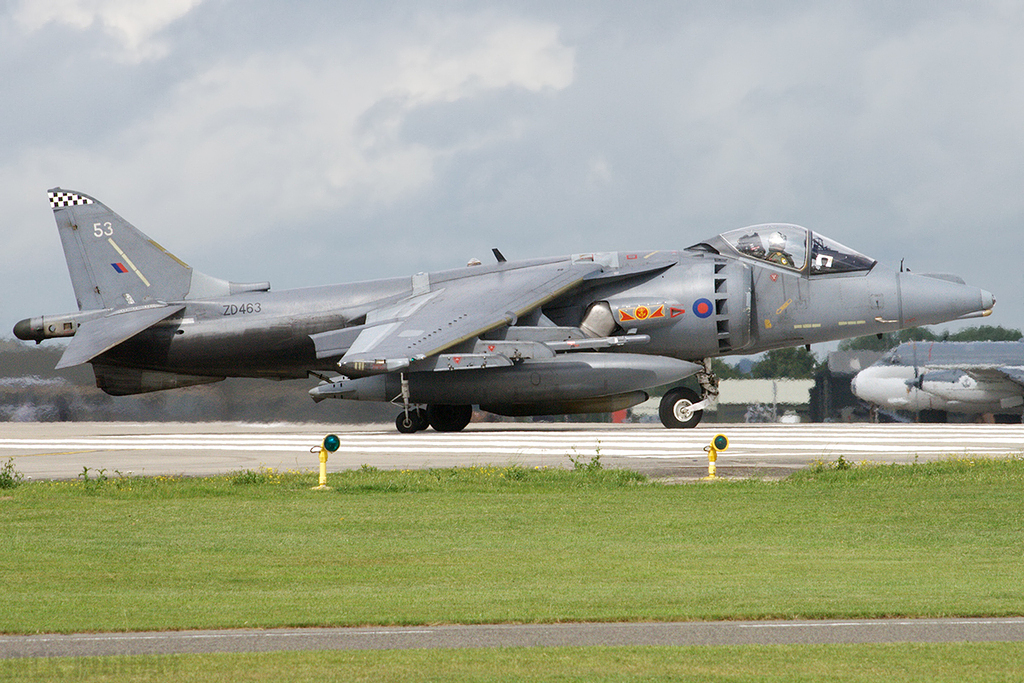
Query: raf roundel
702, 308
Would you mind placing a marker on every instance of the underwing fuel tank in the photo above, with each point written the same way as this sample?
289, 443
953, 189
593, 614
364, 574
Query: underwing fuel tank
565, 378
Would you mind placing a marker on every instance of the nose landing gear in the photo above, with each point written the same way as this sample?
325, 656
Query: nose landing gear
681, 408
676, 410
412, 421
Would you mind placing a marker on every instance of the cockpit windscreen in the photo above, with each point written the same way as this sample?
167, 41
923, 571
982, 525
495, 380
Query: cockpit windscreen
828, 256
783, 245
796, 248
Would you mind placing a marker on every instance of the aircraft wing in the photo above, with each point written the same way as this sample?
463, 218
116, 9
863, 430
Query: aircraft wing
454, 311
1013, 374
992, 373
102, 334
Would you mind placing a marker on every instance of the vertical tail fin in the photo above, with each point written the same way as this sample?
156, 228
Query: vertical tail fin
112, 263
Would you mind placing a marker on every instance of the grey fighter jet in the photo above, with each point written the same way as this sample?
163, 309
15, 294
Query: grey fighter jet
937, 378
589, 332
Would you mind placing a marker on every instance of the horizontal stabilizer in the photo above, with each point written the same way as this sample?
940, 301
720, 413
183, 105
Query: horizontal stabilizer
102, 334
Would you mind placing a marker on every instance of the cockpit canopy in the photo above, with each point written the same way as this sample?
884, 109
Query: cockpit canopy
791, 247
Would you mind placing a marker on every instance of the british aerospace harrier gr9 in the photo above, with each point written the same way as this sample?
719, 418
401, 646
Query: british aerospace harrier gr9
589, 332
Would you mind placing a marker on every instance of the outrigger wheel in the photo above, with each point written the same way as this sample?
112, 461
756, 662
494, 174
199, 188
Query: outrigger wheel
414, 421
676, 411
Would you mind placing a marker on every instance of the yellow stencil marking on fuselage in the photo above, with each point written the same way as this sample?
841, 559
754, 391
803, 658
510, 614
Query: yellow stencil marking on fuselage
783, 307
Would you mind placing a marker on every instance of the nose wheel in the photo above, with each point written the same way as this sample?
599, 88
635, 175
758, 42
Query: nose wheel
442, 418
412, 421
677, 409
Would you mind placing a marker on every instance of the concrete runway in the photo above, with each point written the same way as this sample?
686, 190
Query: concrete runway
61, 450
518, 635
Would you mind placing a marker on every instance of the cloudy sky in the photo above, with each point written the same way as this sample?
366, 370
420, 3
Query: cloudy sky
317, 142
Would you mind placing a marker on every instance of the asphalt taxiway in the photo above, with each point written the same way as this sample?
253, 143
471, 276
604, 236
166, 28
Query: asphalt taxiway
517, 635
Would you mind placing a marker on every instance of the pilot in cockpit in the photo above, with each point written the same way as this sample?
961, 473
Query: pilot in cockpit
751, 245
777, 250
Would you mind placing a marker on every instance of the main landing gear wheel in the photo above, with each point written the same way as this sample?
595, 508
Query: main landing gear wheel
676, 410
449, 418
933, 416
415, 421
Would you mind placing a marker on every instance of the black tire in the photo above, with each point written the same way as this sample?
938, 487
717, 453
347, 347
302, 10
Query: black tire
674, 409
415, 422
406, 423
449, 418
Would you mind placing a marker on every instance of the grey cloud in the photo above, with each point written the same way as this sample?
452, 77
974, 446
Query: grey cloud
892, 127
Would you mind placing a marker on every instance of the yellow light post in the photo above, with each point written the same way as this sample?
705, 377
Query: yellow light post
719, 443
330, 444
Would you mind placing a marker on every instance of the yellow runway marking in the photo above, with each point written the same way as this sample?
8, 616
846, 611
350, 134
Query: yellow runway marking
36, 455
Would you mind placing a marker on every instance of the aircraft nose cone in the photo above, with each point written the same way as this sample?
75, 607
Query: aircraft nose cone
23, 329
930, 299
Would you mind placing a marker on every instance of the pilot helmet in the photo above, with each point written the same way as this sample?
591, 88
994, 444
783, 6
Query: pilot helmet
776, 241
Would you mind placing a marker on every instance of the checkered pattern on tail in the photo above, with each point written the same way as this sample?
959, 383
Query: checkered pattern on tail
61, 199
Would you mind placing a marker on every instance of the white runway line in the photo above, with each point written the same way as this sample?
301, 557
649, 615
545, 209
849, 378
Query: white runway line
746, 441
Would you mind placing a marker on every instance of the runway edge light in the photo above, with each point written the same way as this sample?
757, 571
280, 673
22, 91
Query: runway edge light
330, 444
720, 442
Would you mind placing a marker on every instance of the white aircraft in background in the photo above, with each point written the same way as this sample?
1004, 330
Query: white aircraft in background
938, 378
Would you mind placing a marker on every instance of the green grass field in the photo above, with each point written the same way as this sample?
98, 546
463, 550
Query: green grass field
509, 544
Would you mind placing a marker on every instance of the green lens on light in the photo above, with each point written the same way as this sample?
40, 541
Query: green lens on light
331, 442
720, 443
